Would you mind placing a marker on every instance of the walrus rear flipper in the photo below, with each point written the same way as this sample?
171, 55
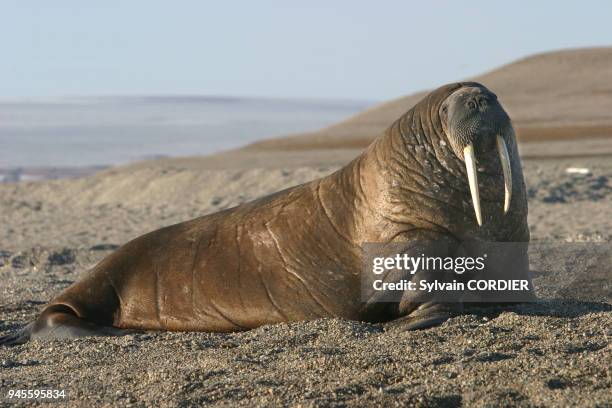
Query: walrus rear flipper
21, 336
59, 322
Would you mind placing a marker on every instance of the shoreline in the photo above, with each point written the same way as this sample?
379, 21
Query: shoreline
10, 175
251, 156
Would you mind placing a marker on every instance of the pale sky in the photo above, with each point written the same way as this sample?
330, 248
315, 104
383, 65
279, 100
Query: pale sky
368, 50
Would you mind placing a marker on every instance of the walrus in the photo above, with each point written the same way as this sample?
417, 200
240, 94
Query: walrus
447, 170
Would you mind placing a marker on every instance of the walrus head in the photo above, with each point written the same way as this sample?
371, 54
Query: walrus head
474, 121
447, 176
450, 164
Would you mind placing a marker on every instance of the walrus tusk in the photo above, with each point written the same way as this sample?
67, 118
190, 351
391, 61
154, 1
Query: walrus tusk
470, 166
504, 158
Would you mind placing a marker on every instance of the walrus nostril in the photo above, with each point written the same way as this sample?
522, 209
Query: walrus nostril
482, 101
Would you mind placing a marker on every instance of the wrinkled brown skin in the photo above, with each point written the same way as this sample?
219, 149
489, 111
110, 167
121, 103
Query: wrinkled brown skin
296, 254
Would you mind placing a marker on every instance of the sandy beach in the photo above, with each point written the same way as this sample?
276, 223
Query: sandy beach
554, 352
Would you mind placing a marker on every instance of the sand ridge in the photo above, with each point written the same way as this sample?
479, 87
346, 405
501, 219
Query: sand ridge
554, 95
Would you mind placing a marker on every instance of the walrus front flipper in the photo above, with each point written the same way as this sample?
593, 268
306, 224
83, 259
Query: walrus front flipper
426, 315
61, 322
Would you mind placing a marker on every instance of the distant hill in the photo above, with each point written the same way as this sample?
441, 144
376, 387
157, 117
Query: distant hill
557, 95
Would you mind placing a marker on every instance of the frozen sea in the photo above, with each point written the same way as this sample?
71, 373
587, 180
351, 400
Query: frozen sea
103, 131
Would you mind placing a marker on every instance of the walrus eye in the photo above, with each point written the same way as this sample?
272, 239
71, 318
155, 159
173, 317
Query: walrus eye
472, 105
